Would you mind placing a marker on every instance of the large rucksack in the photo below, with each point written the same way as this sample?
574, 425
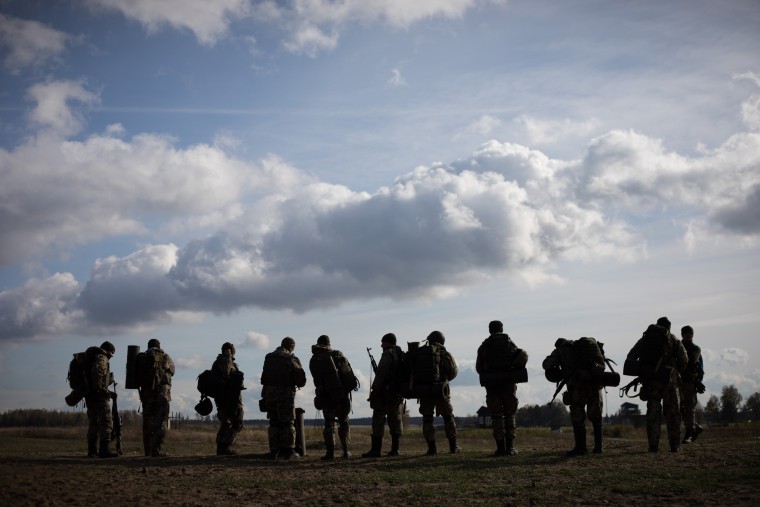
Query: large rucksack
655, 352
79, 369
586, 353
348, 380
212, 384
150, 369
426, 368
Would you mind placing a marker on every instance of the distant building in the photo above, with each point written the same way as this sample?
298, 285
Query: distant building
484, 417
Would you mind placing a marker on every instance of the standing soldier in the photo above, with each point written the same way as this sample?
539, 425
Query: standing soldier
229, 407
332, 396
578, 361
498, 354
662, 358
282, 375
155, 396
98, 401
385, 397
691, 384
434, 366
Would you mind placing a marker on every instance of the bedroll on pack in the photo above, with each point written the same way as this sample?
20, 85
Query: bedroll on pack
131, 380
211, 384
499, 378
607, 378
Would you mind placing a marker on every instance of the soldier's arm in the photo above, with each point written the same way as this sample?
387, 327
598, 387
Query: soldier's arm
299, 376
450, 365
169, 365
635, 352
100, 373
480, 362
383, 369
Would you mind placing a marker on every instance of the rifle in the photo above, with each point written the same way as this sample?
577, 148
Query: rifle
372, 360
116, 431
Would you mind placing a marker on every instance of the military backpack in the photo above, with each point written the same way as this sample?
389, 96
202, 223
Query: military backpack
150, 369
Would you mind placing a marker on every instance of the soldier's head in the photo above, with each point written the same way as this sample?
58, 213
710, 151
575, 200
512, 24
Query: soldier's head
228, 346
495, 327
154, 344
108, 348
664, 322
323, 341
388, 340
288, 343
436, 337
687, 334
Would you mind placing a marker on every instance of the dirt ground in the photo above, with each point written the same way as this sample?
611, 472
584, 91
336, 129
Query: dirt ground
48, 468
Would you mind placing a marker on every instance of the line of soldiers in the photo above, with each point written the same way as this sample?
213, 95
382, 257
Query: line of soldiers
675, 394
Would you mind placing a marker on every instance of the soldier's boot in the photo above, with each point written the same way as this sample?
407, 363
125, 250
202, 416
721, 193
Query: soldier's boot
374, 452
105, 451
697, 430
394, 445
431, 448
223, 449
344, 445
453, 447
509, 446
290, 453
92, 447
501, 447
598, 437
675, 444
330, 454
579, 431
687, 437
146, 444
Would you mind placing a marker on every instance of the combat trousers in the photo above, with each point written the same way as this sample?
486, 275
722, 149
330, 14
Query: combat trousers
230, 417
689, 406
394, 412
340, 413
585, 401
663, 399
502, 401
99, 416
155, 421
281, 412
428, 406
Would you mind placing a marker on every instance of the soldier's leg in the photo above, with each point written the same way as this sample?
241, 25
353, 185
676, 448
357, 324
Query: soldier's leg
378, 428
672, 411
105, 426
92, 427
396, 427
344, 430
428, 429
594, 413
688, 411
287, 417
495, 403
510, 420
328, 433
147, 408
159, 426
654, 421
578, 418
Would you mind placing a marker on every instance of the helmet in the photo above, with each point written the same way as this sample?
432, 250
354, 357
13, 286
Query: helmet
204, 407
389, 338
153, 343
108, 346
436, 337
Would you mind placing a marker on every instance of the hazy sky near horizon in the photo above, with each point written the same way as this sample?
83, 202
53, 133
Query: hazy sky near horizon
245, 170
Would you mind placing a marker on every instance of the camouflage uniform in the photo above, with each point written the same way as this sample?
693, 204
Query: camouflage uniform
336, 405
385, 398
229, 408
662, 396
691, 381
156, 406
282, 374
583, 395
98, 401
498, 353
429, 405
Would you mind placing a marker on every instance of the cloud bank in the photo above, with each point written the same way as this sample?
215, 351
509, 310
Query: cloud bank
219, 233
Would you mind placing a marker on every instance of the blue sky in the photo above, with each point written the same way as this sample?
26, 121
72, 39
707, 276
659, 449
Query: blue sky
243, 170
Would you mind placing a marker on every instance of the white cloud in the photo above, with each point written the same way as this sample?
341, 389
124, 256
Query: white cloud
30, 43
258, 341
53, 110
734, 356
207, 20
194, 362
543, 132
315, 25
396, 78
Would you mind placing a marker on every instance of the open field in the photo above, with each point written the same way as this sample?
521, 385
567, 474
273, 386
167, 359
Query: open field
47, 467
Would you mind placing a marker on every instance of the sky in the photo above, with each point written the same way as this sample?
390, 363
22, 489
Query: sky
245, 170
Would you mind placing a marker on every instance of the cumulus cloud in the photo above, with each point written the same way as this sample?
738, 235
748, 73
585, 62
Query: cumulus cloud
542, 132
275, 238
396, 78
734, 356
30, 43
207, 20
53, 109
194, 362
258, 341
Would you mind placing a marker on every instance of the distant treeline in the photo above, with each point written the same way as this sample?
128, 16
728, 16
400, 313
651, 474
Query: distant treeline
39, 417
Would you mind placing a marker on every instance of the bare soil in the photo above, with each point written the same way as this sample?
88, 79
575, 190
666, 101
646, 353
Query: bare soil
48, 467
